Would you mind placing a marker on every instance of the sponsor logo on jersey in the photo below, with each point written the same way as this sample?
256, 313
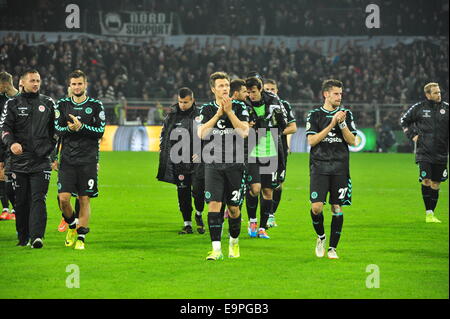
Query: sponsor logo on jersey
308, 126
223, 132
221, 124
102, 115
57, 114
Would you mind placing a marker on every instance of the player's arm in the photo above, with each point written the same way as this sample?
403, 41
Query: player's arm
61, 125
314, 137
408, 123
291, 127
241, 127
349, 136
97, 129
7, 123
205, 128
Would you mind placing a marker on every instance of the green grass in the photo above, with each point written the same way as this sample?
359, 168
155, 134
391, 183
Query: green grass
134, 251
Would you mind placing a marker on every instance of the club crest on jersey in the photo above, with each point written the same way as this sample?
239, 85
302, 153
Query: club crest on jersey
41, 108
199, 118
442, 111
88, 110
181, 177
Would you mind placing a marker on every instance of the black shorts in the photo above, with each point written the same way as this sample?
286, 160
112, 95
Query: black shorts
259, 172
225, 185
253, 176
78, 179
435, 172
339, 187
281, 172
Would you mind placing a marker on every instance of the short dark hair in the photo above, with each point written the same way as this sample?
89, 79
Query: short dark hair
328, 84
29, 71
217, 76
255, 74
236, 85
271, 81
75, 75
185, 91
5, 77
253, 81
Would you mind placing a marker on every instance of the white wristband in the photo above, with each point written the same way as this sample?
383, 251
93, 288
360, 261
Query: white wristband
342, 125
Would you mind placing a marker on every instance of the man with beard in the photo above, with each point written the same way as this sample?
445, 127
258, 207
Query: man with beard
330, 129
80, 123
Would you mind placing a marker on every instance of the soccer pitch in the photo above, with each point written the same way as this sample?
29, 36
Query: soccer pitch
134, 251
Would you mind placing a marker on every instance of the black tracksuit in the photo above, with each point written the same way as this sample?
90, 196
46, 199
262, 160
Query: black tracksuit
28, 119
184, 175
428, 120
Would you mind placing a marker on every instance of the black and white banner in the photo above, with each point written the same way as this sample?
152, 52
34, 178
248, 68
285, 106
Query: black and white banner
135, 24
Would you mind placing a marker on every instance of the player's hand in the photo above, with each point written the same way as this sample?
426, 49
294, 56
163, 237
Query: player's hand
76, 125
341, 115
195, 158
55, 165
251, 124
226, 104
415, 138
16, 149
219, 112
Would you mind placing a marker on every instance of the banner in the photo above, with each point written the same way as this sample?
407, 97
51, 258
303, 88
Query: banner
136, 35
366, 140
135, 24
131, 138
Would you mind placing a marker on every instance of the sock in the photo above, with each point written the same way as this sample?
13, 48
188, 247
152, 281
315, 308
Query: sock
434, 196
77, 208
188, 223
336, 228
276, 198
233, 241
187, 216
266, 209
253, 220
317, 221
215, 226
426, 190
72, 221
82, 231
216, 245
234, 226
252, 205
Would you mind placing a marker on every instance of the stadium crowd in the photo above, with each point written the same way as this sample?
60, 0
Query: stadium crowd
390, 75
258, 17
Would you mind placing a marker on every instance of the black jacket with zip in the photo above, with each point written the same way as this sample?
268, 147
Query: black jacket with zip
28, 119
177, 119
428, 120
